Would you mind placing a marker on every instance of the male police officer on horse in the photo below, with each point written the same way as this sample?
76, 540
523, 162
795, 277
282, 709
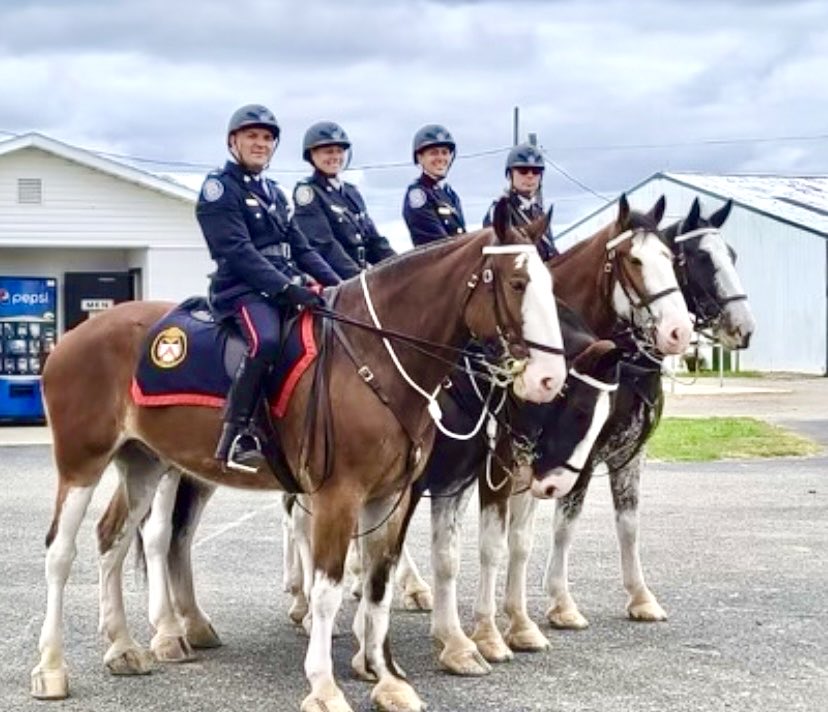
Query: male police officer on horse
332, 212
524, 171
261, 257
431, 208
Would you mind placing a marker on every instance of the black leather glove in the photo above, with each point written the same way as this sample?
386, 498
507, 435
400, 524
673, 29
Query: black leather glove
302, 296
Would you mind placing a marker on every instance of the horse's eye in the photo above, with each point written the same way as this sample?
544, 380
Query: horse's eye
518, 284
636, 261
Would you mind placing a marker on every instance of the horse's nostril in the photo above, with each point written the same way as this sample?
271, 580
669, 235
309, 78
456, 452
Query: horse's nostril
550, 491
548, 384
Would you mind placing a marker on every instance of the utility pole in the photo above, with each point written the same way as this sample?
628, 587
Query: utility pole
516, 126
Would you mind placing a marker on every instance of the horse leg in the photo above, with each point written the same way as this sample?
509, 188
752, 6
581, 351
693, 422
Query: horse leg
140, 473
563, 611
302, 566
381, 551
522, 634
353, 565
625, 483
169, 643
459, 654
191, 499
493, 518
416, 593
49, 677
335, 508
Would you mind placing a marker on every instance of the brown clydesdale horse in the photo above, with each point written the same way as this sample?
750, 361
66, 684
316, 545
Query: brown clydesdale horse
360, 465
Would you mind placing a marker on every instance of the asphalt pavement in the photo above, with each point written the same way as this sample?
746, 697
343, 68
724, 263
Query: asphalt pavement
737, 553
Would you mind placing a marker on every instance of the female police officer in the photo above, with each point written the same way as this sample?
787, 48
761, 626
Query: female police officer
332, 212
259, 253
524, 171
431, 208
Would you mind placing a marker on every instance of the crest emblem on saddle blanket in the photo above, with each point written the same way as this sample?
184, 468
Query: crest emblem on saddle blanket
169, 348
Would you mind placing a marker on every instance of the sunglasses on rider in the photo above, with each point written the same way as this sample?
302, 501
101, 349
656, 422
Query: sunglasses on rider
525, 170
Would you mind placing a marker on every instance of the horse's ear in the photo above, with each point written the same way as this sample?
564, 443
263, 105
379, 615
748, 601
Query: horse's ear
718, 218
657, 211
549, 213
623, 210
537, 228
500, 219
692, 218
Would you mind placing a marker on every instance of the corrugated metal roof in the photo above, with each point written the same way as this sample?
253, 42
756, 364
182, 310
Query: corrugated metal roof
800, 200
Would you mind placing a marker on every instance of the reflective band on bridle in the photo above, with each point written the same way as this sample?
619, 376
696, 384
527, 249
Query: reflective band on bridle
594, 382
618, 239
509, 249
699, 232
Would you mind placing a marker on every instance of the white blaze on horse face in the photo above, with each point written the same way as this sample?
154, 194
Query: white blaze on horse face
560, 481
672, 324
545, 373
738, 323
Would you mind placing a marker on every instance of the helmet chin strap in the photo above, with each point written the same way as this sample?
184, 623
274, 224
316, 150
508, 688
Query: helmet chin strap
231, 147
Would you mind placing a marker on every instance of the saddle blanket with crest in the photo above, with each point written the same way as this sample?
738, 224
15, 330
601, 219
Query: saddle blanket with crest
189, 359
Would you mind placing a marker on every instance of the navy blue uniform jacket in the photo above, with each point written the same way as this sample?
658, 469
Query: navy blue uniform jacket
332, 215
249, 232
432, 211
523, 211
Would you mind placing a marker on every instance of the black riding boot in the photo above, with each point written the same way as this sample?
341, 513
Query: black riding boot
238, 448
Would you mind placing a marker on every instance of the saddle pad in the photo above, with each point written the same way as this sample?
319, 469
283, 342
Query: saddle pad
183, 360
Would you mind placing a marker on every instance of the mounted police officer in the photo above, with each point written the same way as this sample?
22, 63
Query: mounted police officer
332, 212
261, 256
524, 171
431, 208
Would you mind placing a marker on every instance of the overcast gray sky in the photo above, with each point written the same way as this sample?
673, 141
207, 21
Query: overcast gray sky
614, 90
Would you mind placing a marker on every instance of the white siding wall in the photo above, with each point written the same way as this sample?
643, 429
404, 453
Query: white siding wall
783, 269
85, 207
175, 274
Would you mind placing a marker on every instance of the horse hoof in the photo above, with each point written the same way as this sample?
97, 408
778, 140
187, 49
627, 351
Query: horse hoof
50, 684
396, 695
491, 645
329, 699
647, 611
528, 639
465, 662
132, 661
298, 610
418, 600
172, 649
361, 670
566, 618
203, 635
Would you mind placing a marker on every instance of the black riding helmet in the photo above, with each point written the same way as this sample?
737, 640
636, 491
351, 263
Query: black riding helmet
324, 133
253, 115
524, 155
431, 135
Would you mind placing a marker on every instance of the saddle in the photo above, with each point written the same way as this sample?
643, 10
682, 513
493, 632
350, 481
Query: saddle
189, 359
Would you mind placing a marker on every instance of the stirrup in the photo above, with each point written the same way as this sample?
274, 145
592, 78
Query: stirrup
232, 464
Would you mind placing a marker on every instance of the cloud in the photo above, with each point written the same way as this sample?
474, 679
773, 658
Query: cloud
590, 78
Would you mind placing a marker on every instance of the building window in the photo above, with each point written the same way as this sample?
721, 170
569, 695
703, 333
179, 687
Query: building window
29, 191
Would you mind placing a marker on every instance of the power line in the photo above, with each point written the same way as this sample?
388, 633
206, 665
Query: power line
574, 180
688, 144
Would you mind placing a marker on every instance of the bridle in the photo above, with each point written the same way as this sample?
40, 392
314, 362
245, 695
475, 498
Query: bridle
613, 268
510, 338
707, 306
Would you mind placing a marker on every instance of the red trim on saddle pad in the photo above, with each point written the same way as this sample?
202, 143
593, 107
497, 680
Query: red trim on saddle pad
278, 404
279, 408
143, 399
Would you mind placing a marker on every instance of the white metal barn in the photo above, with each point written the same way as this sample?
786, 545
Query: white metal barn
779, 228
66, 210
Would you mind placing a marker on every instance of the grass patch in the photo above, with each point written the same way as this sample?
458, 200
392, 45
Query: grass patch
704, 439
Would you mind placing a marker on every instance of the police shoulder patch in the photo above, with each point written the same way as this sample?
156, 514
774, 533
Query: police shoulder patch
416, 197
303, 195
212, 190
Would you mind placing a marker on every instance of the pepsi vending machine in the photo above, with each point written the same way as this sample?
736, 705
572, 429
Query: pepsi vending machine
28, 331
